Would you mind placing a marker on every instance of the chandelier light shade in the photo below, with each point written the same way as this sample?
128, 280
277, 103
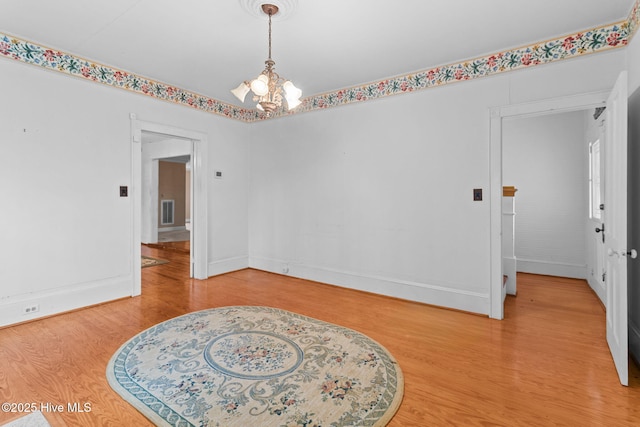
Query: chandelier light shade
269, 88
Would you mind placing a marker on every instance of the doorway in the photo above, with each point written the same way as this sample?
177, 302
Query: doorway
167, 195
166, 164
174, 188
545, 158
164, 142
614, 174
498, 115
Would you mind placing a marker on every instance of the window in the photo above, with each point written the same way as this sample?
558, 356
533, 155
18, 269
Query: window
595, 195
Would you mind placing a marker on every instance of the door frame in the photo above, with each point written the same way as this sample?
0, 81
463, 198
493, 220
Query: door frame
497, 114
199, 217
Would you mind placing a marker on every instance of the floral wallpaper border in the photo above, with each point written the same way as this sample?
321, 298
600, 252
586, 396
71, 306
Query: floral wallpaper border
34, 54
590, 41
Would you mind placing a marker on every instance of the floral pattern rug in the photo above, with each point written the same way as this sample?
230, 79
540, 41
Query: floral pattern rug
256, 366
148, 261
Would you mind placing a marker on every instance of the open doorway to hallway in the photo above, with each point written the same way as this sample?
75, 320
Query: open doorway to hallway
174, 196
166, 192
151, 142
173, 215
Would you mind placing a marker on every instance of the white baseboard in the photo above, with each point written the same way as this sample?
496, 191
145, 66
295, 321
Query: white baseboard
509, 267
227, 265
421, 292
178, 228
547, 268
634, 340
598, 289
64, 299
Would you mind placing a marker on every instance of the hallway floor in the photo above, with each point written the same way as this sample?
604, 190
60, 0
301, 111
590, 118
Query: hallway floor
174, 236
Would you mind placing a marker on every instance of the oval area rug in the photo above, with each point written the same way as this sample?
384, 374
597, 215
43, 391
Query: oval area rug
256, 366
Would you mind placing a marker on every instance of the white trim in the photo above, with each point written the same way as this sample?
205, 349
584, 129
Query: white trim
432, 294
199, 218
549, 268
178, 228
149, 203
555, 105
136, 207
598, 287
60, 300
228, 265
497, 114
496, 301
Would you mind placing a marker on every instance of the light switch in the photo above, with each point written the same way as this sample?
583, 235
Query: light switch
477, 194
124, 191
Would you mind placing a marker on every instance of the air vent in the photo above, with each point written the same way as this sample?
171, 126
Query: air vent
167, 212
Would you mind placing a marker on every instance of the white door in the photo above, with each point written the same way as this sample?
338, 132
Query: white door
615, 222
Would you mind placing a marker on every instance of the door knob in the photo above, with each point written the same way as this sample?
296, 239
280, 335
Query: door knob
598, 229
631, 253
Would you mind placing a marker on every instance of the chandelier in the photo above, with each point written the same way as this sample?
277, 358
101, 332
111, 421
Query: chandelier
268, 87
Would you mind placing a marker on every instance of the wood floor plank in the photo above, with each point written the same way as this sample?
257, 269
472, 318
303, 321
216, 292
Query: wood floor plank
547, 363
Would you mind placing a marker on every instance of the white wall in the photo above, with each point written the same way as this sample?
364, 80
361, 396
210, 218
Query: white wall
544, 158
65, 150
378, 196
375, 196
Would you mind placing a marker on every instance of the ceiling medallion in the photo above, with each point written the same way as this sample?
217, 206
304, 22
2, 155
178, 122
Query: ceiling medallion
286, 8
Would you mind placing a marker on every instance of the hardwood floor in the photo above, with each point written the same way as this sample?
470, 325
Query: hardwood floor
547, 363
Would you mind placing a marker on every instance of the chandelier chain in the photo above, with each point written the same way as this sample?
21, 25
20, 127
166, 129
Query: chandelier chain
269, 35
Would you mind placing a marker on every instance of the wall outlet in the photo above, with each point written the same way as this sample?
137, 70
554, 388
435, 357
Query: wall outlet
33, 308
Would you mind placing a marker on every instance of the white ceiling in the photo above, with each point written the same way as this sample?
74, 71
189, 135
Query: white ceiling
210, 46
